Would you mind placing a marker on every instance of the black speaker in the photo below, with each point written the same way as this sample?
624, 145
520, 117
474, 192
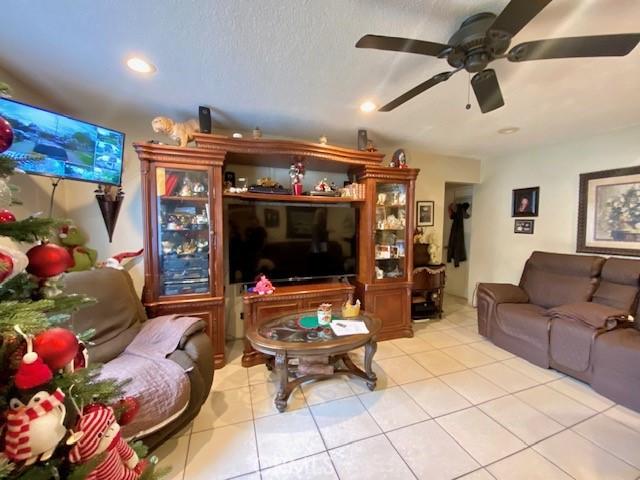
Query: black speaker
205, 119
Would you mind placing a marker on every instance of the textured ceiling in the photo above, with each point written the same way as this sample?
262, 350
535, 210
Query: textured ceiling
290, 66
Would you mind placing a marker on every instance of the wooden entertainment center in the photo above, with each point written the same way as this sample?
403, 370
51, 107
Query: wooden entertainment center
182, 197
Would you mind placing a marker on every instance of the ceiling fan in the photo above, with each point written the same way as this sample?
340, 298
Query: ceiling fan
484, 38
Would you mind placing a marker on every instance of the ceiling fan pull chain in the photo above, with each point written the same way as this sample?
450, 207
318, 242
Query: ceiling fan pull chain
468, 106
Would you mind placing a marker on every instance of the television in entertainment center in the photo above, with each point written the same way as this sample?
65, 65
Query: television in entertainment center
290, 242
54, 145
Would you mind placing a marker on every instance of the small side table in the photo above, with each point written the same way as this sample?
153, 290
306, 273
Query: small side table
427, 291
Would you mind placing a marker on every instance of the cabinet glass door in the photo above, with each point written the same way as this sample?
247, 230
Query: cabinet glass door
183, 231
390, 231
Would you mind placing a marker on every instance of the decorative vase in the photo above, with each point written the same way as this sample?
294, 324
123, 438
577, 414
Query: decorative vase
110, 208
297, 189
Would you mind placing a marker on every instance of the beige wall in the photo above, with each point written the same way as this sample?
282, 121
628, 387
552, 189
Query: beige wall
497, 254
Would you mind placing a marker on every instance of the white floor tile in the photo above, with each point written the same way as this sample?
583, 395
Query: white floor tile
230, 376
430, 452
480, 435
468, 356
521, 419
263, 394
527, 465
184, 431
403, 369
412, 345
490, 349
541, 375
260, 374
561, 408
287, 436
222, 453
343, 421
440, 338
173, 454
392, 408
505, 377
481, 474
472, 386
315, 467
618, 439
233, 351
434, 325
464, 335
358, 385
387, 350
436, 397
224, 407
327, 390
371, 458
581, 392
438, 363
625, 416
248, 476
584, 460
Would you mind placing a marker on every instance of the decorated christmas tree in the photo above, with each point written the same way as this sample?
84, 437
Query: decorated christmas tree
58, 418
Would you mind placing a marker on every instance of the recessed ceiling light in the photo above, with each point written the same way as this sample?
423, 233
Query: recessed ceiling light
368, 106
140, 65
508, 130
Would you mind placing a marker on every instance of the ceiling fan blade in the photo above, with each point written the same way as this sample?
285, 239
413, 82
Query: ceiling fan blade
515, 16
485, 86
397, 44
595, 46
405, 97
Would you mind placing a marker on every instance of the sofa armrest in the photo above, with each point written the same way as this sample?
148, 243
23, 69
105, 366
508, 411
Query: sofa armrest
503, 292
197, 349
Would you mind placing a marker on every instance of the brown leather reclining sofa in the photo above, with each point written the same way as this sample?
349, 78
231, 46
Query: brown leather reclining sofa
522, 319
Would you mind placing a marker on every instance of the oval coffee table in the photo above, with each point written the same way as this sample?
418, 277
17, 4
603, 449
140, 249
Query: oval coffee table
294, 337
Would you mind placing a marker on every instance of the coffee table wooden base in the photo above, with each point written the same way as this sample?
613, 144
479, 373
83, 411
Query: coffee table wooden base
280, 365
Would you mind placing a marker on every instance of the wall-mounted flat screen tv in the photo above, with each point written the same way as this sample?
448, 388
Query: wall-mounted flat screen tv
290, 242
54, 145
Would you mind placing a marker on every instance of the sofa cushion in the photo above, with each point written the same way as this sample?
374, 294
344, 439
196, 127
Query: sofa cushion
619, 284
116, 317
525, 321
552, 279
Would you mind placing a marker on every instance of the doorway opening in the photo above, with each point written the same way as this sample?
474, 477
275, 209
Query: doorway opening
458, 201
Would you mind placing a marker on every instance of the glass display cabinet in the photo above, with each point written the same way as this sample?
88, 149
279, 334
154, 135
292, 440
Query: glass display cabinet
390, 230
183, 250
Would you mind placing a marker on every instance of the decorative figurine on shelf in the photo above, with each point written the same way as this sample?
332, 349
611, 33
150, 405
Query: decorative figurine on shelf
324, 314
263, 287
202, 245
72, 238
187, 248
379, 273
371, 147
182, 132
349, 309
382, 199
257, 133
398, 158
402, 158
168, 247
296, 172
198, 188
267, 182
186, 190
323, 186
323, 140
100, 434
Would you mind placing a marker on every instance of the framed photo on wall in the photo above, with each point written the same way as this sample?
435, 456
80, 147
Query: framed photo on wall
525, 202
523, 226
609, 212
424, 213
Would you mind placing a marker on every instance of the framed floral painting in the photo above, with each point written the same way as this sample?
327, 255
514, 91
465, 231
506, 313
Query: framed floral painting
609, 212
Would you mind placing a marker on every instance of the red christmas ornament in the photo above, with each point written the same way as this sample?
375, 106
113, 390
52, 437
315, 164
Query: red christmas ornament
6, 266
6, 216
32, 372
48, 260
56, 346
130, 408
6, 135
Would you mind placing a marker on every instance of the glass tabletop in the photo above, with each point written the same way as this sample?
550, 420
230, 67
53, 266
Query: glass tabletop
303, 327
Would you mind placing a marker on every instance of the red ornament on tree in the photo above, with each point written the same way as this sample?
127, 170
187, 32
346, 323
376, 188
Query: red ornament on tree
6, 216
6, 266
130, 408
56, 346
6, 135
48, 260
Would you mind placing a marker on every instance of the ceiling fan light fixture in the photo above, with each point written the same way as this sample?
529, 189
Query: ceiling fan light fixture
140, 65
368, 106
508, 130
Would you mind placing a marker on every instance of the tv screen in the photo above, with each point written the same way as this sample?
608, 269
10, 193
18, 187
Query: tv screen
290, 242
54, 145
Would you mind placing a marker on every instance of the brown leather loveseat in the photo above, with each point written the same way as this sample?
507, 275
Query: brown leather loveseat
569, 313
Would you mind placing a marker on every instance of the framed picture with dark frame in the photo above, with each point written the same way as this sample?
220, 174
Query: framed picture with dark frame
525, 202
609, 212
424, 213
523, 226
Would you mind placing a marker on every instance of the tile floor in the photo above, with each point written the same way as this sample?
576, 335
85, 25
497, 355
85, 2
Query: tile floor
448, 405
